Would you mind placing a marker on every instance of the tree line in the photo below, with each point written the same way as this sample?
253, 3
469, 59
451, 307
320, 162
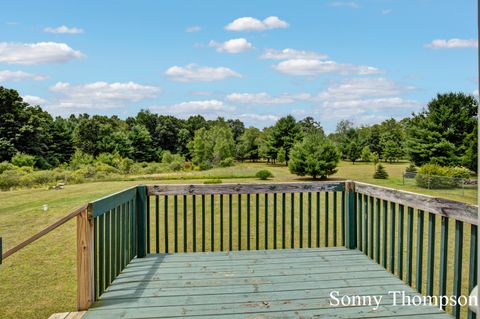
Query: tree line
445, 133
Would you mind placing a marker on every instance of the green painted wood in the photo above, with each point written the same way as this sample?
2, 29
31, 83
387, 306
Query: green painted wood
442, 288
342, 218
318, 219
165, 221
350, 222
284, 216
148, 223
327, 210
157, 224
419, 270
401, 215
384, 239
392, 237
292, 220
274, 220
266, 221
109, 202
175, 223
409, 259
133, 229
221, 222
239, 222
230, 221
141, 221
185, 230
360, 222
457, 267
122, 237
365, 224
377, 231
257, 221
430, 253
203, 224
300, 221
107, 250
95, 257
194, 223
113, 251
101, 254
309, 221
473, 265
335, 204
118, 240
248, 222
370, 227
212, 222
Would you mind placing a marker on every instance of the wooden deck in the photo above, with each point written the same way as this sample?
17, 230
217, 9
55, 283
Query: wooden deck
293, 283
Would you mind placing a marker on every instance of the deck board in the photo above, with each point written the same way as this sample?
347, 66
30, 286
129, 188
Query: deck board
292, 283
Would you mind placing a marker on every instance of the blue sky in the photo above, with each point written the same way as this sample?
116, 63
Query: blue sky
364, 60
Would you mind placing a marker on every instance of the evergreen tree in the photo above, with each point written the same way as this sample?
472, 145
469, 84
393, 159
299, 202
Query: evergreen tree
353, 152
141, 141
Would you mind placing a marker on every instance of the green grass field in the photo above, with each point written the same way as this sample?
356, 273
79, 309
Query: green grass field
41, 280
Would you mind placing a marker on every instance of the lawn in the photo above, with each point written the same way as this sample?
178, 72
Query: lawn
41, 279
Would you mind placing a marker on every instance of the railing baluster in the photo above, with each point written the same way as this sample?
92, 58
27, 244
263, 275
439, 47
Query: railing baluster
370, 227
365, 224
230, 216
266, 220
194, 223
274, 220
185, 236
101, 254
431, 253
239, 221
257, 221
112, 245
133, 230
148, 224
309, 220
442, 290
123, 236
203, 223
284, 213
392, 237
326, 218
118, 241
409, 245
157, 224
360, 222
165, 220
343, 217
175, 222
300, 236
221, 222
377, 232
457, 268
292, 223
334, 218
419, 270
384, 243
401, 211
248, 221
212, 222
107, 250
472, 270
318, 219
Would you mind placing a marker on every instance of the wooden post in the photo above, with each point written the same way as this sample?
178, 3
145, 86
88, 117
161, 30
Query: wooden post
85, 261
1, 250
351, 222
141, 221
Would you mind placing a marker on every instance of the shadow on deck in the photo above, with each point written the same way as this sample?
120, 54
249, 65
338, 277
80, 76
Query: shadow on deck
290, 283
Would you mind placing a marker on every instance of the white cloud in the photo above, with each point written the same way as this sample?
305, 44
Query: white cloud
195, 28
475, 93
232, 46
34, 100
387, 11
207, 108
7, 75
195, 73
37, 53
63, 29
252, 24
100, 95
306, 67
259, 117
453, 43
272, 54
347, 4
267, 99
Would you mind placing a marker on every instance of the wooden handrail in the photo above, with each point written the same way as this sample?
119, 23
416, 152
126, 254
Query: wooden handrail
45, 231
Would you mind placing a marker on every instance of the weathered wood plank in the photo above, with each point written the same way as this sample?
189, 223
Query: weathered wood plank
85, 261
441, 206
205, 189
109, 202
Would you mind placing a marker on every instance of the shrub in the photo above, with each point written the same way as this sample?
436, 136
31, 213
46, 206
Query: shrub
187, 166
380, 172
227, 162
4, 166
411, 168
366, 154
167, 157
10, 179
79, 159
111, 159
177, 162
126, 166
213, 181
102, 167
434, 176
264, 174
22, 159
